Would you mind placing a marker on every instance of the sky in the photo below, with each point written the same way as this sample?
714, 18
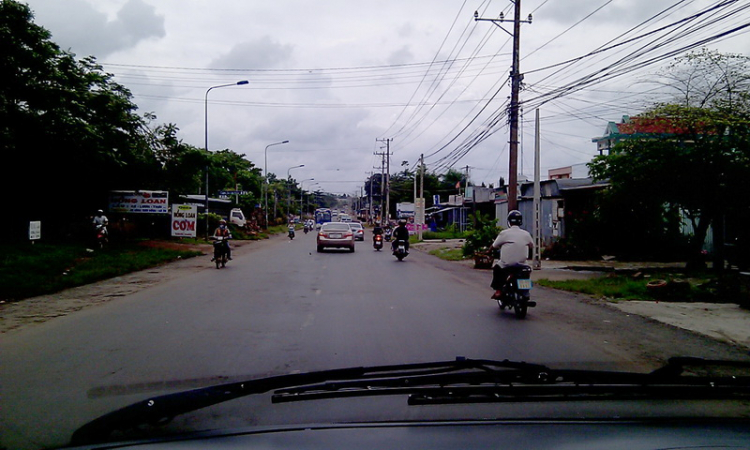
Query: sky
345, 80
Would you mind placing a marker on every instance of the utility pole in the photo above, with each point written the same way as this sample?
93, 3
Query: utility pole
515, 86
464, 216
382, 183
419, 210
537, 257
369, 201
386, 183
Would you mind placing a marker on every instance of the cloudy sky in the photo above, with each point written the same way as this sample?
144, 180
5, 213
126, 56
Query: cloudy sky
338, 78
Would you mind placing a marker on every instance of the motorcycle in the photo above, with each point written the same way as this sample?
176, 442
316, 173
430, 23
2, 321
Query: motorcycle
306, 229
516, 291
291, 233
399, 249
221, 251
102, 236
377, 242
388, 234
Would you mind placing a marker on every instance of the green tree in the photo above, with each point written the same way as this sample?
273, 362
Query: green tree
697, 163
66, 123
182, 165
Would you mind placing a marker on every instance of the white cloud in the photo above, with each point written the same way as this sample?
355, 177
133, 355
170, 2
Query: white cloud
260, 53
318, 78
80, 26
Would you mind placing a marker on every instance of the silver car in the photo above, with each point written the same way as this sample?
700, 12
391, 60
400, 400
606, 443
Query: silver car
335, 234
359, 231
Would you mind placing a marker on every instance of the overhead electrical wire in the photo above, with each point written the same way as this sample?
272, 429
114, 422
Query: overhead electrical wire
624, 65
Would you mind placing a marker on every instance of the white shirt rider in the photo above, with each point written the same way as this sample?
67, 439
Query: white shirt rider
514, 244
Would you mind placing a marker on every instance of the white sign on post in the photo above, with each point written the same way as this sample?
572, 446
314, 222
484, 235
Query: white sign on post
184, 220
35, 231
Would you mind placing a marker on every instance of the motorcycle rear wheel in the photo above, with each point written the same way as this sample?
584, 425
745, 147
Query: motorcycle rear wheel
521, 307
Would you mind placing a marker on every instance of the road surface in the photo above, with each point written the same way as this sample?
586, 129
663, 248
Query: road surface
284, 308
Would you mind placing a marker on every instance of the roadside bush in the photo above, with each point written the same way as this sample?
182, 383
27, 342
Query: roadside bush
452, 232
483, 233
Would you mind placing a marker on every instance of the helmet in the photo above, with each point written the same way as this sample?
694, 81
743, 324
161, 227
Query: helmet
515, 218
222, 222
402, 222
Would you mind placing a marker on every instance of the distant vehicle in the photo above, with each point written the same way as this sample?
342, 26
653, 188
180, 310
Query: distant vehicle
322, 215
237, 217
359, 231
335, 234
345, 218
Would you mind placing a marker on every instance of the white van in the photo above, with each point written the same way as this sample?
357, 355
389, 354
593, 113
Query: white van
237, 217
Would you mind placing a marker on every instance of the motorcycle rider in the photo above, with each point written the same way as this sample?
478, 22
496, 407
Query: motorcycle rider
401, 233
290, 228
100, 220
223, 232
514, 244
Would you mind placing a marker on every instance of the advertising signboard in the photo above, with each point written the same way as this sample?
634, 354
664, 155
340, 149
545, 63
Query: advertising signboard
405, 209
139, 202
35, 230
184, 220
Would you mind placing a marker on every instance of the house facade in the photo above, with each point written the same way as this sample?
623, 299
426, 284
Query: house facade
563, 201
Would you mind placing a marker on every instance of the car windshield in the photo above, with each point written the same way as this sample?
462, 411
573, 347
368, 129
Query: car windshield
215, 194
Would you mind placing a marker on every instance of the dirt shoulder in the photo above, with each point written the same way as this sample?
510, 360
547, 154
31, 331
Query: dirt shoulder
35, 310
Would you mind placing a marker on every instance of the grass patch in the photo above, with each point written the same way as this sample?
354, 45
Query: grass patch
31, 270
610, 287
448, 254
676, 287
447, 234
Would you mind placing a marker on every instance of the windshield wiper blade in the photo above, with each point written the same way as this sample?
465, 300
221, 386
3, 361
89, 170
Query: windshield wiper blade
162, 409
462, 380
487, 382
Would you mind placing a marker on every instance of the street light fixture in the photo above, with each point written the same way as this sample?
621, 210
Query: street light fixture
205, 116
288, 180
265, 170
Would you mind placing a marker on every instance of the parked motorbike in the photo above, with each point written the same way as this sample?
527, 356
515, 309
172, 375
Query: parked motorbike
399, 249
377, 242
102, 236
516, 291
221, 251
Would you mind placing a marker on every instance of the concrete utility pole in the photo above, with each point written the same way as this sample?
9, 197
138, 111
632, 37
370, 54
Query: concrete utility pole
382, 183
421, 205
515, 86
537, 198
386, 183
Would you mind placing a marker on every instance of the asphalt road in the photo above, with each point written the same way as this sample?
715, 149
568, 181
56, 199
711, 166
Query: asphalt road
284, 308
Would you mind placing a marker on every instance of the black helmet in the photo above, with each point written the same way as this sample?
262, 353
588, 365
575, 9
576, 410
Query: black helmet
515, 218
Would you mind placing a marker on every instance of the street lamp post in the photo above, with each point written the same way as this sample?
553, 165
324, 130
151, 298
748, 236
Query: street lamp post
289, 179
308, 197
205, 116
301, 193
265, 170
